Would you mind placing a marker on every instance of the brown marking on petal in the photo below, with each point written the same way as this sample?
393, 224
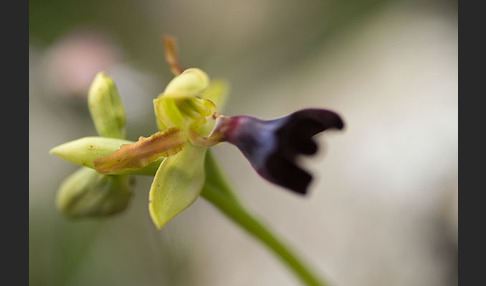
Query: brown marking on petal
141, 153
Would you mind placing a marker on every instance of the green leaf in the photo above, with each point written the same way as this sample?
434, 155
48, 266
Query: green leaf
177, 184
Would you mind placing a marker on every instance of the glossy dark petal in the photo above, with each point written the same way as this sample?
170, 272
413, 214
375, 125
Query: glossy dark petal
316, 120
286, 173
295, 136
273, 146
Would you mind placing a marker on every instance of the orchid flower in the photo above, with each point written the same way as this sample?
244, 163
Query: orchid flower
189, 122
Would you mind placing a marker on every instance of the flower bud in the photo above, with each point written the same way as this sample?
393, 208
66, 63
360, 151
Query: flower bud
106, 107
86, 193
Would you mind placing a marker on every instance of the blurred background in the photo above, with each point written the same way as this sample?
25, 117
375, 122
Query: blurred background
382, 209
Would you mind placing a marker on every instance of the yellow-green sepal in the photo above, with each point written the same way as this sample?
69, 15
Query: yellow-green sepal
177, 184
86, 193
85, 150
106, 108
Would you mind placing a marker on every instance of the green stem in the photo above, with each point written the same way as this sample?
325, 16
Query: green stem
219, 193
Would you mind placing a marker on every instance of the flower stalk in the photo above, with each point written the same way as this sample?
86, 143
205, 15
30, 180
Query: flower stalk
219, 193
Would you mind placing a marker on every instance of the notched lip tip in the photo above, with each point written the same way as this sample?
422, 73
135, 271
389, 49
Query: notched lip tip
300, 189
340, 124
299, 192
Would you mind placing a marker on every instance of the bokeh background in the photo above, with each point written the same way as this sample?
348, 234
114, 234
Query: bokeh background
382, 209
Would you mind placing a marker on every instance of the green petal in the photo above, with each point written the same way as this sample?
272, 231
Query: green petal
87, 193
187, 113
177, 184
106, 107
167, 113
180, 100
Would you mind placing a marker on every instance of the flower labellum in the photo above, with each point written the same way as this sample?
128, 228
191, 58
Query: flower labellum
272, 146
